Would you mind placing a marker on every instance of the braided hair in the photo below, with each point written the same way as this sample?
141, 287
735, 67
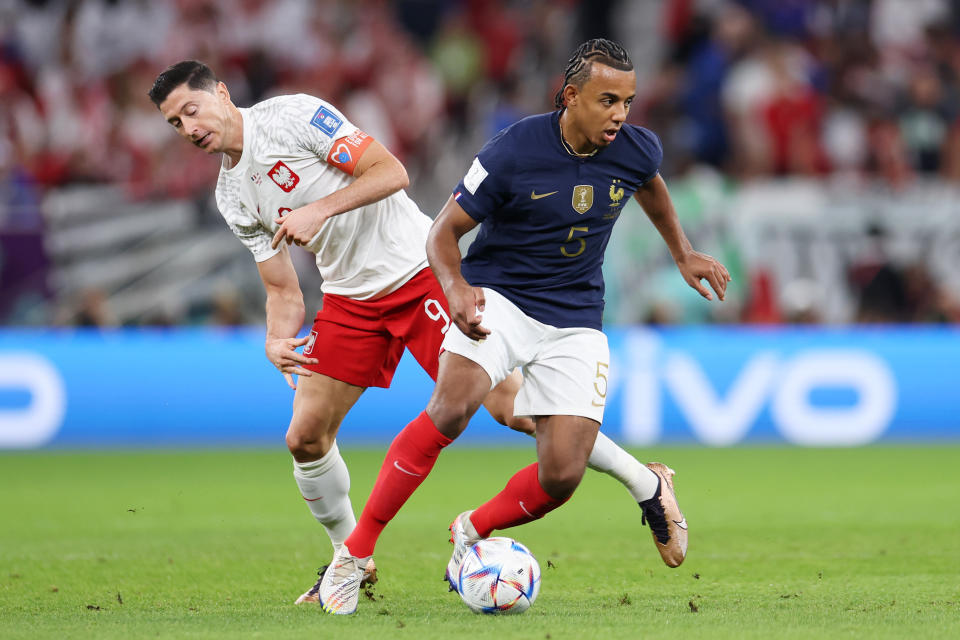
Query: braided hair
580, 64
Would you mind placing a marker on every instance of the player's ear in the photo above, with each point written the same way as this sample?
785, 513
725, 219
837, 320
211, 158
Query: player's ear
222, 92
570, 94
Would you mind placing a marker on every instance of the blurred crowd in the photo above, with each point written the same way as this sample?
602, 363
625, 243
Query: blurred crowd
74, 74
811, 87
864, 89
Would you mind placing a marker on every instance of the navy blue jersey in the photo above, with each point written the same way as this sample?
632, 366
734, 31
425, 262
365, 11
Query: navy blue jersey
547, 216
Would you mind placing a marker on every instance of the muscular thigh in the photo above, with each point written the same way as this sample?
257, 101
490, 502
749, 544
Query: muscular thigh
319, 406
563, 448
563, 440
461, 387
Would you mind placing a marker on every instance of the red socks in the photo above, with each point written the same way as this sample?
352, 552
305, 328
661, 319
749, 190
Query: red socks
522, 500
409, 460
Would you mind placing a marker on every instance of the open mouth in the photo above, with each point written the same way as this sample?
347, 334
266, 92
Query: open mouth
610, 134
202, 142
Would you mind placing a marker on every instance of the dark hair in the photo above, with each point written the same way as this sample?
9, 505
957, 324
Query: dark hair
580, 64
195, 74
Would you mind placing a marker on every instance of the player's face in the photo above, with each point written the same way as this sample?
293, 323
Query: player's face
601, 105
201, 117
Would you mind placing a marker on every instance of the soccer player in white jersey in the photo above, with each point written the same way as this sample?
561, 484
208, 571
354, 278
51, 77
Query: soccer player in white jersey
295, 170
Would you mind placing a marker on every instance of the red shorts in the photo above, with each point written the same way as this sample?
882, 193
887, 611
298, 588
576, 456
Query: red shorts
360, 341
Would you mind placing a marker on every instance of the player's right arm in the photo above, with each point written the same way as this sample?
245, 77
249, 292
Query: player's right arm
285, 314
481, 191
378, 174
285, 311
443, 252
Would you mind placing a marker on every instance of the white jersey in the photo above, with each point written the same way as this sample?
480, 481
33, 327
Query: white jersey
288, 161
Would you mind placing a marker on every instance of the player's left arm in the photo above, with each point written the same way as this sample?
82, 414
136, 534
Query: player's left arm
694, 266
378, 174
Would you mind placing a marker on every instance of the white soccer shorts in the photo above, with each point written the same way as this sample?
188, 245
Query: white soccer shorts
565, 371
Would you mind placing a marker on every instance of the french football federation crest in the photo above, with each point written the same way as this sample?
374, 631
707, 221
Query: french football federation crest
616, 194
582, 198
284, 176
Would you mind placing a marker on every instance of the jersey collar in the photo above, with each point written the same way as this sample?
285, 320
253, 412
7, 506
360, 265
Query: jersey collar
247, 145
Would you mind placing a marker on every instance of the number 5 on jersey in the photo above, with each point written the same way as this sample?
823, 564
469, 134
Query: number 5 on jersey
570, 239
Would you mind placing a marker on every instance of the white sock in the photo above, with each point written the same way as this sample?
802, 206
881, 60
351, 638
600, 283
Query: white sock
325, 486
609, 458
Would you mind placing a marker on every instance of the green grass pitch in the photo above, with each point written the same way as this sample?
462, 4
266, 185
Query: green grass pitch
784, 543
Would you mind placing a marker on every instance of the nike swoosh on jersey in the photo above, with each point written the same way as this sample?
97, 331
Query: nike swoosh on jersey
536, 196
396, 463
682, 524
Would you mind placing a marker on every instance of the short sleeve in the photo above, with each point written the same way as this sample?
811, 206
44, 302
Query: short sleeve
246, 226
651, 151
486, 186
317, 124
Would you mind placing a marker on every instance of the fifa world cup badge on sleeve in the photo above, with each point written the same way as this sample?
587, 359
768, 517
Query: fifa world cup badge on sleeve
475, 176
326, 120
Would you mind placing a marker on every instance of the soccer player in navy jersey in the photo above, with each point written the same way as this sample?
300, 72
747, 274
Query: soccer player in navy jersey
547, 192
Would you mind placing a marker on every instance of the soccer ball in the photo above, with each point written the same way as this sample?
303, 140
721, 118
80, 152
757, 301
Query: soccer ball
498, 575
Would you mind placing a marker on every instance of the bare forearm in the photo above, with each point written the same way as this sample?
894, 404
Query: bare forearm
693, 265
443, 254
285, 314
672, 233
379, 181
656, 203
443, 251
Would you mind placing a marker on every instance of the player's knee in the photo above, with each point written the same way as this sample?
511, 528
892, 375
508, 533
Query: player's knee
560, 482
306, 446
450, 414
312, 433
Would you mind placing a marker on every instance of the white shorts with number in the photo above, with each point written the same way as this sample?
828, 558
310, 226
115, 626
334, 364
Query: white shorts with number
564, 370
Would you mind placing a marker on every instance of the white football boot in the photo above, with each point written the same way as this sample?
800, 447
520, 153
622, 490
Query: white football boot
463, 535
313, 593
340, 585
666, 521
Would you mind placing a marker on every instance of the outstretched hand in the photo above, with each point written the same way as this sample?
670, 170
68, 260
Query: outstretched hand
696, 266
282, 353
